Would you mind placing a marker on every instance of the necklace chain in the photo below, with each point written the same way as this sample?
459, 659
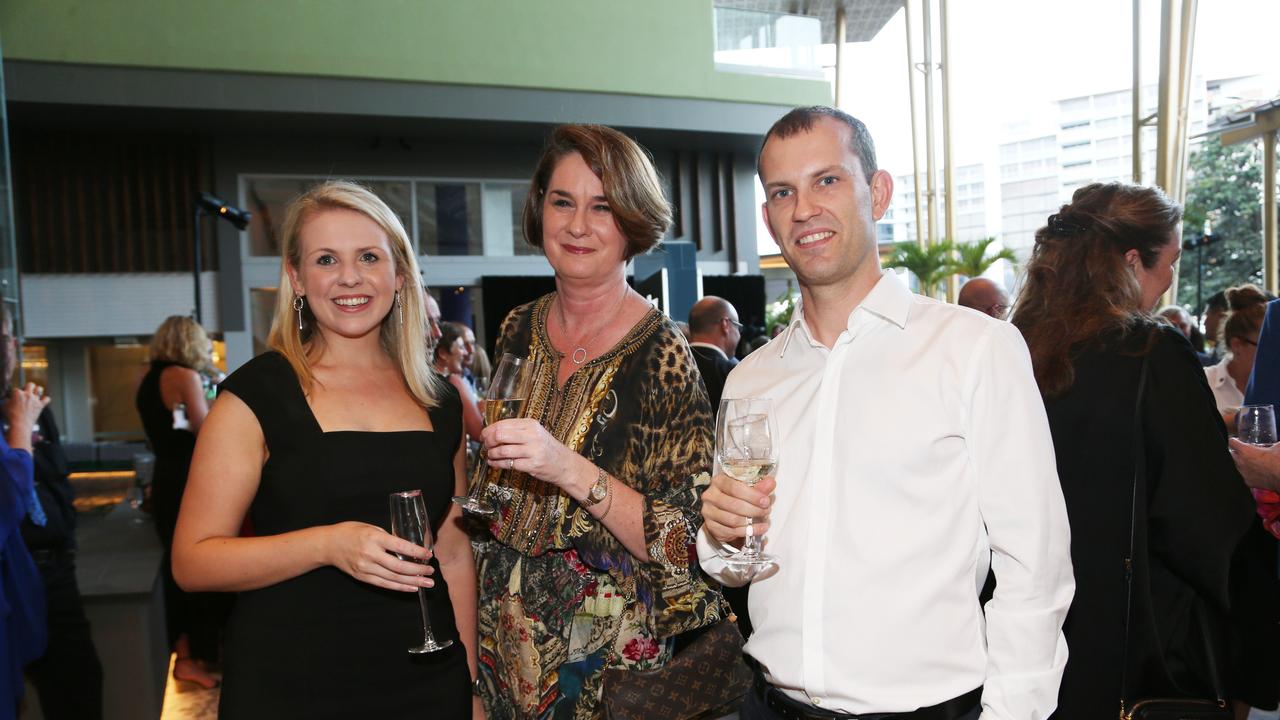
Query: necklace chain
580, 354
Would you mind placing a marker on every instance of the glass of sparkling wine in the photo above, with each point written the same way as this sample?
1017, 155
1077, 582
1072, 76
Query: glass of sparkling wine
505, 398
409, 521
747, 450
1256, 425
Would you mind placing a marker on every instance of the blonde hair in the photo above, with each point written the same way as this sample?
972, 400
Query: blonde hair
404, 342
180, 339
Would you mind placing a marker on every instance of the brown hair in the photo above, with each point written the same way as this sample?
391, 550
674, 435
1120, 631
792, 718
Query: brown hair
801, 119
1077, 284
1247, 307
404, 342
626, 171
181, 340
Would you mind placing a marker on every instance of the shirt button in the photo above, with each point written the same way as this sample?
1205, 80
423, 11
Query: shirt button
817, 701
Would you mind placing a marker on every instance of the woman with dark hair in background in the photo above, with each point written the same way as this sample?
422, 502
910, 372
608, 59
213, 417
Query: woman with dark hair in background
450, 360
591, 563
172, 405
1239, 331
1097, 269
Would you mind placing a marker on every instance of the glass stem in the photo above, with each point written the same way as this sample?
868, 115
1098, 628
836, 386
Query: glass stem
427, 637
751, 544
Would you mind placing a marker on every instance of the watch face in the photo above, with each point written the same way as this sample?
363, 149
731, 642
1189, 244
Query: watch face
598, 491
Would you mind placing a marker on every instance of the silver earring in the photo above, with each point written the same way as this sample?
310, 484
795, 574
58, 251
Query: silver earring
400, 307
298, 302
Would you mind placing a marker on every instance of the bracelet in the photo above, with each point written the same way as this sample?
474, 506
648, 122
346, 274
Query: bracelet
608, 505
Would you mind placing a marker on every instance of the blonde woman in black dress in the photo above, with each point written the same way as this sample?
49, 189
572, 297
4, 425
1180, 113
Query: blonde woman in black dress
308, 440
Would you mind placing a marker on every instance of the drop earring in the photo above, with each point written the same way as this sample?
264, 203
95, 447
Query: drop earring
400, 307
298, 302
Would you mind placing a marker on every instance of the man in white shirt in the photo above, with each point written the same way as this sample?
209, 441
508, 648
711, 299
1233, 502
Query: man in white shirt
914, 452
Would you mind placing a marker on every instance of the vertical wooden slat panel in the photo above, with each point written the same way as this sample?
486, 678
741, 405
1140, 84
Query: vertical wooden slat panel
115, 236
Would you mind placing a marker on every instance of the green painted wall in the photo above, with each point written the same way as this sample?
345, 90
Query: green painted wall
643, 47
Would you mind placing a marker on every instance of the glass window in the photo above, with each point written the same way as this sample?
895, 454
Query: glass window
268, 198
449, 218
114, 371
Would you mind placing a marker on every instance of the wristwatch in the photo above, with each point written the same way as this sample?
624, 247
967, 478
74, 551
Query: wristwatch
599, 490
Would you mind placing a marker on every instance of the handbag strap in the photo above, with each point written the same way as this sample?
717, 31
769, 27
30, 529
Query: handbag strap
1139, 471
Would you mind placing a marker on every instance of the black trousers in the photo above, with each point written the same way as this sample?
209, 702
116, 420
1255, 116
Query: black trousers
68, 679
755, 709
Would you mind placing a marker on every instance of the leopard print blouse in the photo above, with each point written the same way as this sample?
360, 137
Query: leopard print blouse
561, 599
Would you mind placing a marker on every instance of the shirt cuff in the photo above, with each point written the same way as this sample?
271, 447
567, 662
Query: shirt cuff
711, 555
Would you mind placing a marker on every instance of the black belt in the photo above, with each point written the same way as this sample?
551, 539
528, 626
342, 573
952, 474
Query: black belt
789, 708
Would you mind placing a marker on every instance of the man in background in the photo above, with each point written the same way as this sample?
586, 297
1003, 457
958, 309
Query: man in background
714, 332
985, 296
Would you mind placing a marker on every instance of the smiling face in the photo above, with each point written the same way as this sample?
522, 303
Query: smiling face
580, 236
819, 207
346, 272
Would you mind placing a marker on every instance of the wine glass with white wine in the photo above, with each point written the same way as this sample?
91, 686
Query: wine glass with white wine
505, 398
747, 450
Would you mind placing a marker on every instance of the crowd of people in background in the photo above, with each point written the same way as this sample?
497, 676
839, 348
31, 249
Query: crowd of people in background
1022, 508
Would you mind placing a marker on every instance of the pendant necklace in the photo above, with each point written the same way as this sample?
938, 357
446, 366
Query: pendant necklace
579, 354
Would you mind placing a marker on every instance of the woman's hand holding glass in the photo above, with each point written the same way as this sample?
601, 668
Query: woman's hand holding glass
505, 398
526, 446
372, 555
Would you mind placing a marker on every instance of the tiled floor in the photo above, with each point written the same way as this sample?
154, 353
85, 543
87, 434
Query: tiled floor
187, 703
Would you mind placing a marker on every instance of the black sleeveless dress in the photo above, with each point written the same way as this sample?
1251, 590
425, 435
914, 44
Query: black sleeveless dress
324, 645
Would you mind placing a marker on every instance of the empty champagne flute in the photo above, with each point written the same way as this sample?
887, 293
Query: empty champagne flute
747, 450
409, 521
1256, 425
505, 398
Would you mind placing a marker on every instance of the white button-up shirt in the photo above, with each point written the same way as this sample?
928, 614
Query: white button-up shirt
1225, 393
914, 452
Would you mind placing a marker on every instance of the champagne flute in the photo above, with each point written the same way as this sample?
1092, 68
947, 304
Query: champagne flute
747, 450
1256, 425
505, 398
409, 521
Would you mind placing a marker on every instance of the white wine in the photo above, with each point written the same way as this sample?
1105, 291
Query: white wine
747, 471
503, 409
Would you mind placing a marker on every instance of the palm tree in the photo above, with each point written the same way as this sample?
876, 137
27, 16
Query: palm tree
972, 259
930, 264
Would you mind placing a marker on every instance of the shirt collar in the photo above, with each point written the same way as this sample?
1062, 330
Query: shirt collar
889, 300
717, 348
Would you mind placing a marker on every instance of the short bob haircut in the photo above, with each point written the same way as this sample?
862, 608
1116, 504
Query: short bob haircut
180, 339
405, 342
625, 170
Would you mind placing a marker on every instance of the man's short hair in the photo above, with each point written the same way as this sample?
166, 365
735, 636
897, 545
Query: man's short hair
801, 119
704, 319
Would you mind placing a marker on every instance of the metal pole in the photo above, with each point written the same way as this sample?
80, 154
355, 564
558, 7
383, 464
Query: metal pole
948, 173
926, 7
1269, 275
840, 35
1186, 51
1178, 191
1137, 92
196, 265
915, 141
1164, 111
